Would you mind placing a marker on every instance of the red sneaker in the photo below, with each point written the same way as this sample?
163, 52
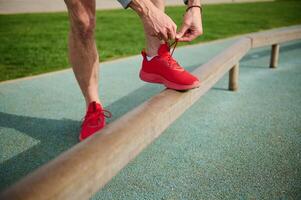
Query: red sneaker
94, 120
165, 70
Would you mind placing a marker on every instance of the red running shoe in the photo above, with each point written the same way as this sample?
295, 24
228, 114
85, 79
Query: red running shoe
165, 70
94, 120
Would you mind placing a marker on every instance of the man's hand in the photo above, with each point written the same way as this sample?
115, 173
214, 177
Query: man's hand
192, 25
156, 22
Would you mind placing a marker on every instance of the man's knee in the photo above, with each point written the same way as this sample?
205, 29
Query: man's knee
82, 17
84, 26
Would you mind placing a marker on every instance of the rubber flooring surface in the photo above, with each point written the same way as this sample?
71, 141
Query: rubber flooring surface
228, 145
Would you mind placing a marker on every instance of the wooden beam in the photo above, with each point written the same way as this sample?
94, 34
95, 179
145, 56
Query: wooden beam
233, 77
84, 169
274, 56
275, 36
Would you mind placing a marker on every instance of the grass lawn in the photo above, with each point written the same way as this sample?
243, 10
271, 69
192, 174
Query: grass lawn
37, 43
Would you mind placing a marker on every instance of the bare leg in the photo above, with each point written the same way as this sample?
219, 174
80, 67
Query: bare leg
83, 54
153, 43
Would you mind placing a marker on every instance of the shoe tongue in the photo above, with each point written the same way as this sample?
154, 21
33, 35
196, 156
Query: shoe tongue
93, 106
163, 49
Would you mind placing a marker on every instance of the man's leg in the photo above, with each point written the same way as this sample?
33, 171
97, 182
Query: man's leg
82, 48
153, 43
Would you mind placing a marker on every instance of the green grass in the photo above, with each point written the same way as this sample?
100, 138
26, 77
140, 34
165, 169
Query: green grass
37, 43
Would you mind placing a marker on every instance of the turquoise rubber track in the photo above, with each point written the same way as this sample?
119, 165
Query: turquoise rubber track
228, 145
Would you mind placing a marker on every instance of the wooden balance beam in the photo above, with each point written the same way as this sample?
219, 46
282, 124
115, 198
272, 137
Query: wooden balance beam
84, 169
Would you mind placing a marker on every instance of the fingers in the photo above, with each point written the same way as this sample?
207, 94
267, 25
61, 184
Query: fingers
171, 32
188, 38
182, 31
171, 35
174, 32
168, 33
160, 25
190, 35
164, 29
163, 35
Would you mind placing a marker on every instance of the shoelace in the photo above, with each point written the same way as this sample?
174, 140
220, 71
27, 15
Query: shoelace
172, 63
175, 45
103, 112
